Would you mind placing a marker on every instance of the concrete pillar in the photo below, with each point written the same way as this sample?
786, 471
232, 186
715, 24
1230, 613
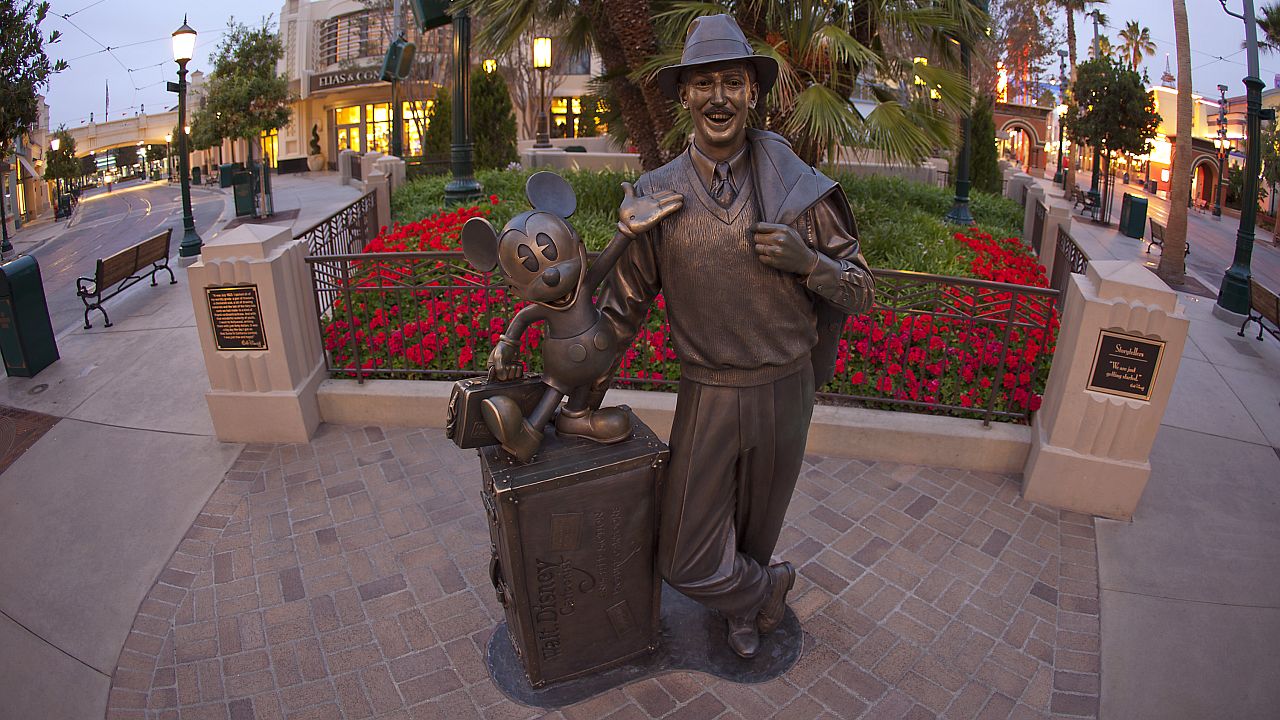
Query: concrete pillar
380, 183
366, 163
1119, 347
344, 166
1034, 194
1013, 188
1057, 215
393, 167
257, 323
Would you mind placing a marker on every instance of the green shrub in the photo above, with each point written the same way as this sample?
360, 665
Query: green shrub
900, 221
494, 123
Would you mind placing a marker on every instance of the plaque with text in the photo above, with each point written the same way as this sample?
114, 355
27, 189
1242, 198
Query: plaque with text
236, 317
1126, 365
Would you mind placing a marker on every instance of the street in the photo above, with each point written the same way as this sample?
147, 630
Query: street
107, 222
1213, 240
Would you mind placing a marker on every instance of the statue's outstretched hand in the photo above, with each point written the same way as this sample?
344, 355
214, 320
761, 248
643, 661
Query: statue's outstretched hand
640, 213
781, 247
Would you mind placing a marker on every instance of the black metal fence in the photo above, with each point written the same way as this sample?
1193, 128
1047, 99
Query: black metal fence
423, 165
357, 170
1070, 258
934, 344
345, 231
1037, 227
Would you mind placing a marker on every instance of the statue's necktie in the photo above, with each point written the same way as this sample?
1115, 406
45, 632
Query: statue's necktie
722, 185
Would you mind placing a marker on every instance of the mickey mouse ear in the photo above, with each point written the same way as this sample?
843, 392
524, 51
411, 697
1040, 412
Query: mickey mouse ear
480, 244
551, 193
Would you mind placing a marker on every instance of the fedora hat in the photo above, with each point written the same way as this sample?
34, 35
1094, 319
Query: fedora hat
716, 39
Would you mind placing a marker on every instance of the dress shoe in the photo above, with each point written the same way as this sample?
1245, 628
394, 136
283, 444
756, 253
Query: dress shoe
782, 577
515, 434
743, 638
606, 425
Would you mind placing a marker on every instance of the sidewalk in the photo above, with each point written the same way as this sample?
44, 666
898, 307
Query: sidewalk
148, 571
1191, 587
90, 514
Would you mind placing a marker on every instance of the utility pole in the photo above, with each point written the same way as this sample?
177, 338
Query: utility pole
463, 186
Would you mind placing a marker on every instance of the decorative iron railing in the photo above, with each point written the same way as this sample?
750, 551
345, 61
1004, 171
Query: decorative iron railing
423, 165
1037, 227
931, 344
357, 170
345, 231
1070, 258
1022, 196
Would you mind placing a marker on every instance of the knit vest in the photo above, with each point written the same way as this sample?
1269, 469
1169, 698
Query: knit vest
734, 320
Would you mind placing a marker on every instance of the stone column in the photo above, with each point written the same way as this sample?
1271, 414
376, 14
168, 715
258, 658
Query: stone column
1013, 189
380, 183
1035, 194
1057, 215
1118, 351
344, 166
263, 372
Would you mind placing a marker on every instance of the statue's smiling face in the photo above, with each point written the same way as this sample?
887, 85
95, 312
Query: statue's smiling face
719, 98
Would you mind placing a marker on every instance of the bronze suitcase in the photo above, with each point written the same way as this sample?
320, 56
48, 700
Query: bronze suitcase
574, 539
466, 427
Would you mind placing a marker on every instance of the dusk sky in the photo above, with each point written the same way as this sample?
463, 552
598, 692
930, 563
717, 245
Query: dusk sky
138, 33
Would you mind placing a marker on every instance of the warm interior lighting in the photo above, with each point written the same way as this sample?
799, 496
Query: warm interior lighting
542, 52
184, 42
490, 65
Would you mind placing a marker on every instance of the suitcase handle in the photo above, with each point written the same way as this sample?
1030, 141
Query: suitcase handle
495, 576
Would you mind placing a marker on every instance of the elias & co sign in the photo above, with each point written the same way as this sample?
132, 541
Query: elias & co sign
321, 82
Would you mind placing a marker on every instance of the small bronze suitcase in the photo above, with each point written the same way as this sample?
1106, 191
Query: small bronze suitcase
466, 427
574, 540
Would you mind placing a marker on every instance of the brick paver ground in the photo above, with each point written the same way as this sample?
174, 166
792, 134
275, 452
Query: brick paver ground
349, 578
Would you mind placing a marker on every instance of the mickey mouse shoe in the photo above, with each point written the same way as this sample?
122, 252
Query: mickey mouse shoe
606, 425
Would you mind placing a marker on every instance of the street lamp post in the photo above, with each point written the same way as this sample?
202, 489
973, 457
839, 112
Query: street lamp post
1222, 150
1062, 99
168, 156
54, 144
184, 46
959, 213
464, 185
542, 63
1233, 293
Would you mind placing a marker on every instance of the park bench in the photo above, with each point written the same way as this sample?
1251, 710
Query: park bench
1157, 236
122, 270
1089, 205
1263, 305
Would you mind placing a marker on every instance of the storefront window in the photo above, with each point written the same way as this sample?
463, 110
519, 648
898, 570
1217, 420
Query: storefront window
368, 127
351, 37
566, 117
270, 147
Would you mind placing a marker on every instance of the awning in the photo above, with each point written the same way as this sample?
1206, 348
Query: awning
27, 169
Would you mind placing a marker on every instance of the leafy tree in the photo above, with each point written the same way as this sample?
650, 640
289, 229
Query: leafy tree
205, 130
1110, 110
439, 135
1023, 37
61, 164
986, 166
89, 165
245, 95
1137, 43
495, 121
24, 70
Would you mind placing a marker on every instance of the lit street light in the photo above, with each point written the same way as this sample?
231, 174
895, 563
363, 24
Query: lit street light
959, 213
1060, 177
184, 45
541, 63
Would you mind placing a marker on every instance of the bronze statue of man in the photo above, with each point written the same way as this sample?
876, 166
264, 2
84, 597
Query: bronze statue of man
759, 270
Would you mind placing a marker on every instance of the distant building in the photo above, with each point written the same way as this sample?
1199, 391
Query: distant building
25, 193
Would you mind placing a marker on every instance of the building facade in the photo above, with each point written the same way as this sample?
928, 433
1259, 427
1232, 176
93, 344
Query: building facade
25, 193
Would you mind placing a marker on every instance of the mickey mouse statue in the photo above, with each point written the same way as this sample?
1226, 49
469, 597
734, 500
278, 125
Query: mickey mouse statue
544, 261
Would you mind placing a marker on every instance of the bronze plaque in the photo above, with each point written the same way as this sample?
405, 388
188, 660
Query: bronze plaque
236, 317
1126, 365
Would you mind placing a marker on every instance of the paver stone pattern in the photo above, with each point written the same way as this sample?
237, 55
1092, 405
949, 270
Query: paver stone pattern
348, 578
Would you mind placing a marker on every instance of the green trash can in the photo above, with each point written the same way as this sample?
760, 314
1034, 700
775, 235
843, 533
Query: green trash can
1133, 216
26, 335
226, 174
242, 190
195, 175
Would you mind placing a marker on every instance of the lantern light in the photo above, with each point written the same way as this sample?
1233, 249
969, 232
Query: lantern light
542, 52
184, 42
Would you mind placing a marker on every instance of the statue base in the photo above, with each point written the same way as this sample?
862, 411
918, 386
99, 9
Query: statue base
693, 638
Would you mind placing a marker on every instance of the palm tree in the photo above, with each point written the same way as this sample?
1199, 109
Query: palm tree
1269, 23
1137, 43
1072, 7
830, 50
1173, 255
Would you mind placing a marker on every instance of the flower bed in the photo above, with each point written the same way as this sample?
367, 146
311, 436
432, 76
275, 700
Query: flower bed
935, 344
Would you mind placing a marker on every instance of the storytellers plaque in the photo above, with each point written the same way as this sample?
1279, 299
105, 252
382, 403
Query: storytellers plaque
1125, 365
236, 317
